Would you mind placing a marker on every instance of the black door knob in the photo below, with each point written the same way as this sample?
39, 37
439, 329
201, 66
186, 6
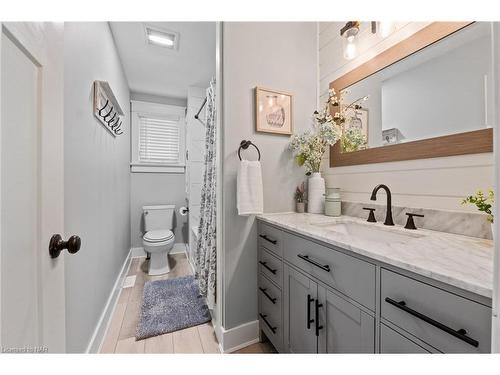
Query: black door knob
56, 245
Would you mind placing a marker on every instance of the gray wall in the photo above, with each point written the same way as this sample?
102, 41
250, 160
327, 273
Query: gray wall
157, 188
96, 179
275, 55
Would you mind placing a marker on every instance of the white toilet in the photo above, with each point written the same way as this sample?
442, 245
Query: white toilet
159, 238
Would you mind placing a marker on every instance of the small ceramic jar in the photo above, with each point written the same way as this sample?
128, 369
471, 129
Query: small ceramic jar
332, 202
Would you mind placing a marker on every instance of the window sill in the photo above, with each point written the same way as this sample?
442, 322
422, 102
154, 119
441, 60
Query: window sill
148, 168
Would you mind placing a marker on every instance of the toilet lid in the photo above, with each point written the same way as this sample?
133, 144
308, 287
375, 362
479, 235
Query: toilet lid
158, 235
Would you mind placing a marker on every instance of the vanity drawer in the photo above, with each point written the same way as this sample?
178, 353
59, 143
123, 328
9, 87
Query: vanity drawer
392, 342
348, 275
269, 293
434, 315
270, 311
271, 238
270, 323
270, 266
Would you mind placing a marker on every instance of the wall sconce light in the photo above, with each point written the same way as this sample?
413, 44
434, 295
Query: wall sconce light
383, 28
350, 36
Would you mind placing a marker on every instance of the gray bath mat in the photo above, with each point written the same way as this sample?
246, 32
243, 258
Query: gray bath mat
170, 305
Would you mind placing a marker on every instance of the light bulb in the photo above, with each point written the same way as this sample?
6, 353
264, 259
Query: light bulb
350, 51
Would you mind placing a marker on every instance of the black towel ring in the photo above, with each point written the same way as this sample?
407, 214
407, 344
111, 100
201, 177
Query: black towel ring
244, 145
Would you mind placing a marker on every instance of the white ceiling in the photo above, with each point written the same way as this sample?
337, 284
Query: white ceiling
160, 71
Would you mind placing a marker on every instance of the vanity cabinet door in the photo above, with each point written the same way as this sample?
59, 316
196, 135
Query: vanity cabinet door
343, 327
300, 293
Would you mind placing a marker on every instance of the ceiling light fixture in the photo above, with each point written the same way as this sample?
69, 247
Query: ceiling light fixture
383, 28
163, 38
350, 36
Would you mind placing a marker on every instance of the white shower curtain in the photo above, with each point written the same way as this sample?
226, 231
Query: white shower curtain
206, 250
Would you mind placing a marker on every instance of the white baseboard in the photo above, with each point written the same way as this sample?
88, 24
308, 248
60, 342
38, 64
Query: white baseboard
95, 343
238, 337
179, 248
137, 252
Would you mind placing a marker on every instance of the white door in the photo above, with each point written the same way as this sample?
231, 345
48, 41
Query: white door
32, 312
195, 147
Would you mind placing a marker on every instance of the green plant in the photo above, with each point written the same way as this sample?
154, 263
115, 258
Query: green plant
483, 202
352, 140
300, 193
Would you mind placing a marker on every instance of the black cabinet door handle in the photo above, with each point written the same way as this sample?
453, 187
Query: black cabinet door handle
309, 320
459, 334
325, 267
274, 242
263, 290
316, 313
264, 264
273, 329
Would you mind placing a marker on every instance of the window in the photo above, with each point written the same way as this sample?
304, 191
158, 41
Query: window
158, 138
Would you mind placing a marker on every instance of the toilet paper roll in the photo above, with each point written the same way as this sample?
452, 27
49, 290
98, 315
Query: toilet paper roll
183, 211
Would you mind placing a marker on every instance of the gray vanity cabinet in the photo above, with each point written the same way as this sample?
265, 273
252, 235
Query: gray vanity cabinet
317, 320
316, 298
300, 293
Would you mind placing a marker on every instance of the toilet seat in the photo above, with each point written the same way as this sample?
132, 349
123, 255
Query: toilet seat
156, 236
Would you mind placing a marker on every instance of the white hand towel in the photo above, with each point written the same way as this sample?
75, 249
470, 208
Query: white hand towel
250, 196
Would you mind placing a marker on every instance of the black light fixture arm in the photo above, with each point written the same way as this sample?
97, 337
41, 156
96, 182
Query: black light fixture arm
349, 25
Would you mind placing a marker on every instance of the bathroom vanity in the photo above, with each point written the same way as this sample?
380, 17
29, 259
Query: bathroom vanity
342, 285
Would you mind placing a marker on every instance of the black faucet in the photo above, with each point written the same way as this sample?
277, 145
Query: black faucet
388, 215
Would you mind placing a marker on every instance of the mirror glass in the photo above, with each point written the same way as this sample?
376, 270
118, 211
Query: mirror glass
445, 88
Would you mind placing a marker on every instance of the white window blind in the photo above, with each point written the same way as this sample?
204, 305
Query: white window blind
159, 141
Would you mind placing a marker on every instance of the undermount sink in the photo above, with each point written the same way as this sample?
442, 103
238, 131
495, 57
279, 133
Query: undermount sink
370, 232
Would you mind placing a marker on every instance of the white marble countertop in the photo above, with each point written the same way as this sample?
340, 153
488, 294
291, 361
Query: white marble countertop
464, 262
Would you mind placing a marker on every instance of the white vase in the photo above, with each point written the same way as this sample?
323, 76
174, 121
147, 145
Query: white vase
493, 231
316, 194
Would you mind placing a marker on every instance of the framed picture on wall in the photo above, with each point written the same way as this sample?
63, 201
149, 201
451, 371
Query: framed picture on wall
273, 111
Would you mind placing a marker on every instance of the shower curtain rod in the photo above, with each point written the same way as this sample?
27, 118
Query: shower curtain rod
202, 105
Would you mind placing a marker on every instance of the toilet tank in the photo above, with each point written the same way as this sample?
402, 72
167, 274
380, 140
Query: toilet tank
158, 217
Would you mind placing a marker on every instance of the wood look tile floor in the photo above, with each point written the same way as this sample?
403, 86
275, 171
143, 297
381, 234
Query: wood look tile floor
120, 337
259, 348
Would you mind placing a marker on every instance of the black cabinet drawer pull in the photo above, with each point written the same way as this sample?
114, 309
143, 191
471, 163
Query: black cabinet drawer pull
325, 267
274, 242
264, 264
273, 329
309, 320
263, 290
316, 313
460, 334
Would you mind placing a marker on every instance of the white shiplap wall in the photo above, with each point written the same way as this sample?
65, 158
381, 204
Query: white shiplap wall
437, 183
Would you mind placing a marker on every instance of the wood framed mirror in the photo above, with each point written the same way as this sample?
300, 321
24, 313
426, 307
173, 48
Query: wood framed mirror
460, 141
